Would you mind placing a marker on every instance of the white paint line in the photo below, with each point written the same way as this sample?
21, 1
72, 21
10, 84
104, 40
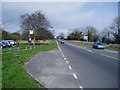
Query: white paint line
70, 67
66, 61
81, 87
78, 46
64, 58
111, 51
60, 49
89, 50
58, 46
111, 57
74, 75
62, 54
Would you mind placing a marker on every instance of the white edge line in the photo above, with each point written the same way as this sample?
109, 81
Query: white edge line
74, 75
110, 57
60, 49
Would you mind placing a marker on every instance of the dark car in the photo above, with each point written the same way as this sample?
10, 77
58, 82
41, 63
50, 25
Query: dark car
98, 45
62, 42
7, 44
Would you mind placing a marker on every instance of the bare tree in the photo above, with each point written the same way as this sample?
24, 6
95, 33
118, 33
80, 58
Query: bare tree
35, 21
115, 29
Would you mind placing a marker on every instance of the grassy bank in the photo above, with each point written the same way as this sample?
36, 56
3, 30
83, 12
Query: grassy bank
14, 75
110, 47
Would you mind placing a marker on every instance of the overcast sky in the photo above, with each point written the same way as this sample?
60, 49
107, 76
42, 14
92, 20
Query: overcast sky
62, 16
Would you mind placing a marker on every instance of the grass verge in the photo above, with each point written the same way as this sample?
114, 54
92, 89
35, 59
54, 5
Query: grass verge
14, 75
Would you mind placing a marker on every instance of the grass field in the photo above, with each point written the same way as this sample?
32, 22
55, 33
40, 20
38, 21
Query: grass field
110, 47
14, 75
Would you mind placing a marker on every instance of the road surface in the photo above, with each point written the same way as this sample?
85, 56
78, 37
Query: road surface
75, 66
93, 68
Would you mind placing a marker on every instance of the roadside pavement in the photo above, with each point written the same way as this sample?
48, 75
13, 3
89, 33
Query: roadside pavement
51, 70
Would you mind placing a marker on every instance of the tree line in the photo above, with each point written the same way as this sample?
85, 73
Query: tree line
109, 34
36, 22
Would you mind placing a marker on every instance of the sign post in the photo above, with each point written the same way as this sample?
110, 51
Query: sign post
29, 39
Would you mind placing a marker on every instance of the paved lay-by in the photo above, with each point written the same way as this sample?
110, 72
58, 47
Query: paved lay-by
75, 66
51, 70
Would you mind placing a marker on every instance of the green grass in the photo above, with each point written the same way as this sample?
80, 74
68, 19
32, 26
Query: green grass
82, 43
14, 75
112, 48
90, 44
20, 46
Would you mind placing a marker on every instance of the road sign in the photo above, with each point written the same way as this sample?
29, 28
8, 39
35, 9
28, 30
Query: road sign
31, 31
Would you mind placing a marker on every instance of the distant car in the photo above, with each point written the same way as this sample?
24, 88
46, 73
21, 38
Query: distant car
62, 42
12, 42
98, 45
6, 44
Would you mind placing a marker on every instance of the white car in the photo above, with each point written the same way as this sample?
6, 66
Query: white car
12, 42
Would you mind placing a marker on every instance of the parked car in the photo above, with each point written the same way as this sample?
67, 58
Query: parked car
98, 45
2, 45
12, 42
7, 44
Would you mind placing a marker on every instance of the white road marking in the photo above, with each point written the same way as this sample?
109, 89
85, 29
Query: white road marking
81, 87
74, 75
111, 51
63, 55
78, 46
110, 56
89, 50
66, 61
58, 46
60, 49
64, 58
70, 67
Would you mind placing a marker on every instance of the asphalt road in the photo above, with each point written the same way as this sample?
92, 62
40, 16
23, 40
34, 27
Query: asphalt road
92, 68
75, 66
